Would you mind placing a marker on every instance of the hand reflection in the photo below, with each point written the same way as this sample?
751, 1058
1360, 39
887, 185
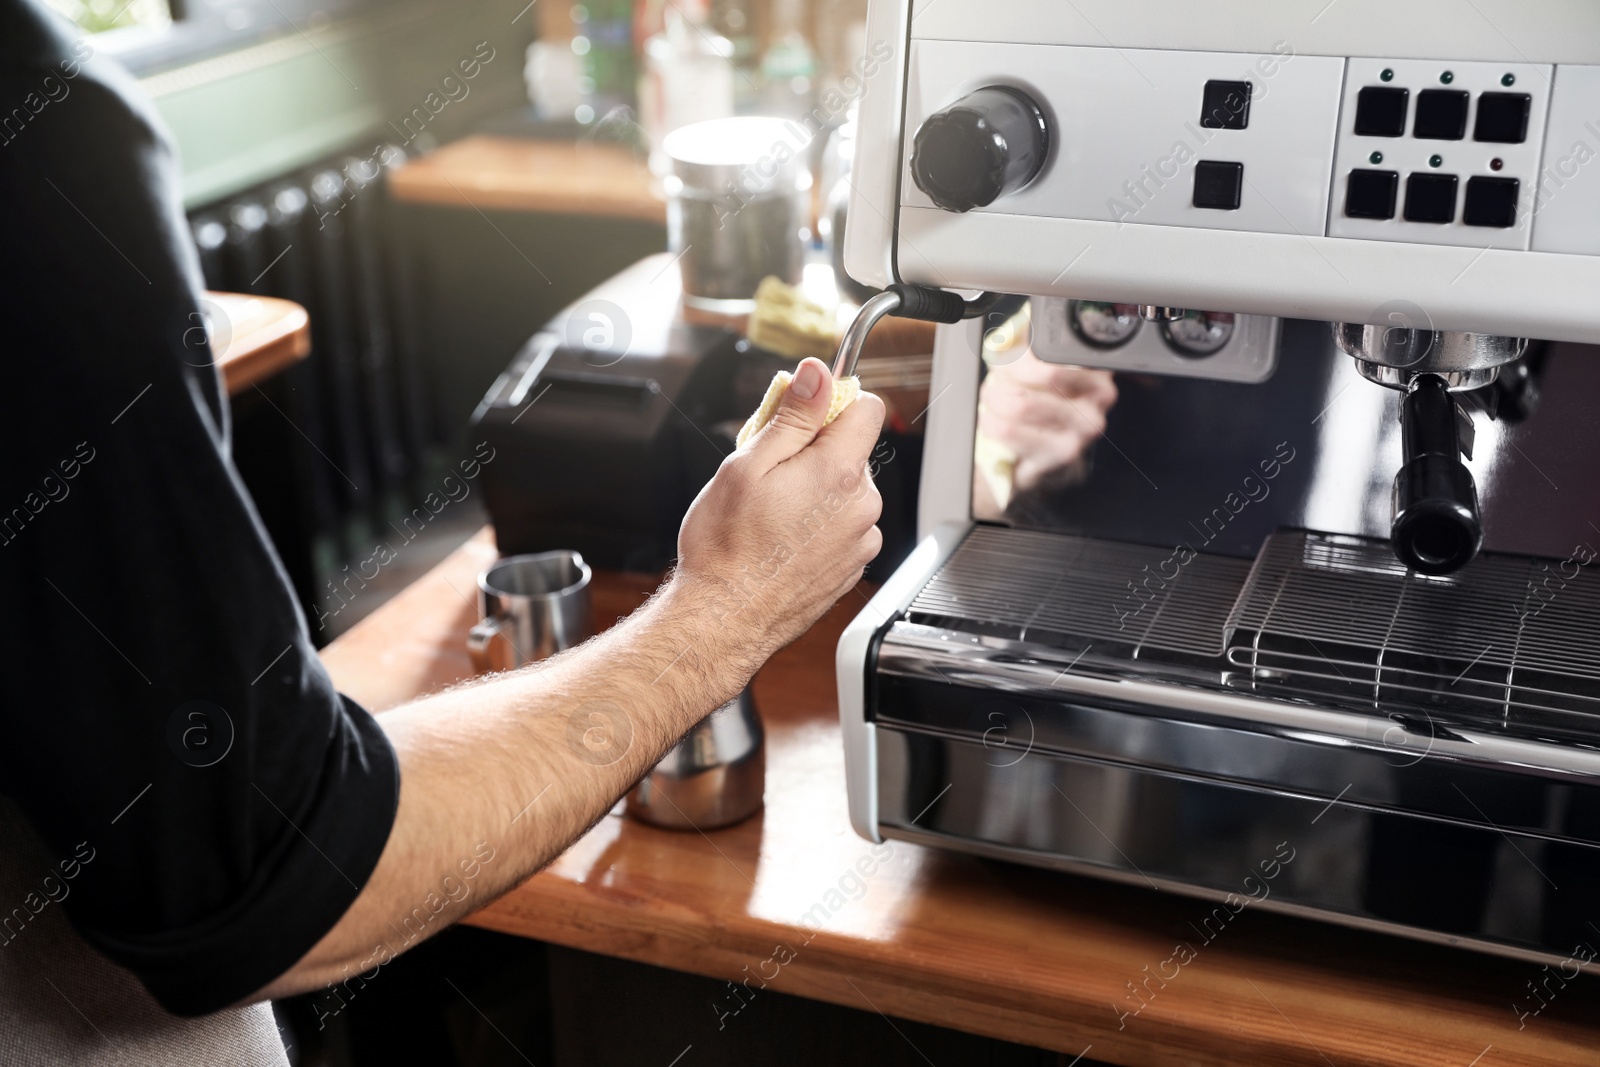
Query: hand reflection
1035, 419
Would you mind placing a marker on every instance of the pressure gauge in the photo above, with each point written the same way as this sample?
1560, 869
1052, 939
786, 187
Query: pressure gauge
1198, 334
1103, 325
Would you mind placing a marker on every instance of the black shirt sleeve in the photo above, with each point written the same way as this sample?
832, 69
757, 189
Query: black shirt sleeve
165, 713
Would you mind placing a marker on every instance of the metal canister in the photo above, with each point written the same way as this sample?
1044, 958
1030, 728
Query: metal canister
738, 208
715, 776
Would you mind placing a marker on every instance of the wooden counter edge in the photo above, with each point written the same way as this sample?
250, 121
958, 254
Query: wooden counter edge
484, 171
833, 969
263, 348
492, 198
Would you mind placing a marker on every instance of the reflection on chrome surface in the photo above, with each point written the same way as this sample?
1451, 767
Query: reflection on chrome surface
1190, 613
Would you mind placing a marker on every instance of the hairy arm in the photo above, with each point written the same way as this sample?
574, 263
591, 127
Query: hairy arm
498, 777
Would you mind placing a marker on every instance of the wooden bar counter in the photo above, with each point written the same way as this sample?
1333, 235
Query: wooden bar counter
795, 898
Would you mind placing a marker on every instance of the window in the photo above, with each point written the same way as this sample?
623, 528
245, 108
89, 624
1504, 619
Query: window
97, 16
147, 36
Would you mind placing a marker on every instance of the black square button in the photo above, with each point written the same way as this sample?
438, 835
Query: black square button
1431, 198
1370, 194
1491, 202
1225, 105
1381, 111
1441, 114
1502, 118
1217, 185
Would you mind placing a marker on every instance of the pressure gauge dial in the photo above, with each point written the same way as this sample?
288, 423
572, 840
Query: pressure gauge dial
1102, 325
986, 145
1199, 334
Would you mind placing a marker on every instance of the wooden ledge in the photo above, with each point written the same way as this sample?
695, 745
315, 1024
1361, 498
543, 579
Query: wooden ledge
511, 174
263, 335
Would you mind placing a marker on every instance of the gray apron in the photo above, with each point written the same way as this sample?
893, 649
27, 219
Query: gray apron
61, 1002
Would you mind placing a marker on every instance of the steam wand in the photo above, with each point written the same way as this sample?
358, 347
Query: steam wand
906, 302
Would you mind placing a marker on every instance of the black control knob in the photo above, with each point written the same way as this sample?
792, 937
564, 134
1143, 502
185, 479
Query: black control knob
1436, 528
989, 143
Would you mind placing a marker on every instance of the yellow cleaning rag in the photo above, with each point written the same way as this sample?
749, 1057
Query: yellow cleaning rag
845, 391
791, 324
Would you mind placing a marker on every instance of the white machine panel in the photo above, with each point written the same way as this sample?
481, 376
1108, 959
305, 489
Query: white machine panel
1532, 31
1397, 159
1568, 215
1112, 214
1126, 130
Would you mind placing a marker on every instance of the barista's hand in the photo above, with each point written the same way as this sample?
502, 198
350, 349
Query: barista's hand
1044, 412
786, 526
781, 532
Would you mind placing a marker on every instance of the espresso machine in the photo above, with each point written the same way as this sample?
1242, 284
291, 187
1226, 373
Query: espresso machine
1323, 587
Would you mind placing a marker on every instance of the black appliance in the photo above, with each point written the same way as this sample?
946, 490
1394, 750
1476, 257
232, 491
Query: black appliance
610, 420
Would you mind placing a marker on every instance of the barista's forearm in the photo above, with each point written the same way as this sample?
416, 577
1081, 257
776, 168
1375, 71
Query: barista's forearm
497, 778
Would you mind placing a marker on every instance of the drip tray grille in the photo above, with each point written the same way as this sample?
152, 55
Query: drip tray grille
1054, 588
1509, 642
1508, 637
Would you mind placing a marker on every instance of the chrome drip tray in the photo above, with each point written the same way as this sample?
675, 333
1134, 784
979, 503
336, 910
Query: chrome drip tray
1509, 639
1429, 747
1064, 591
1509, 643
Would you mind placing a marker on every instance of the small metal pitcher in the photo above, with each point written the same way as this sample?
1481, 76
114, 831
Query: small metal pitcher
532, 607
715, 776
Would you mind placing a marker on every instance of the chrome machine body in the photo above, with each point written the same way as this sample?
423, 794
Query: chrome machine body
1322, 586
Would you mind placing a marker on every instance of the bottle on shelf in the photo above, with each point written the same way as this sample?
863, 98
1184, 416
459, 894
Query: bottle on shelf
688, 74
603, 41
734, 20
789, 65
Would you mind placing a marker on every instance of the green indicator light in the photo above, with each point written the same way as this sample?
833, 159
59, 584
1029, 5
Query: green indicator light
1447, 77
1376, 157
1387, 75
1508, 79
1435, 161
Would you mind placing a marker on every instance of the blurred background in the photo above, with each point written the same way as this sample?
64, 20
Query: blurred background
301, 125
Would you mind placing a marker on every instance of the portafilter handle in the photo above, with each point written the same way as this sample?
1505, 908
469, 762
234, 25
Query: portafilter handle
1436, 527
